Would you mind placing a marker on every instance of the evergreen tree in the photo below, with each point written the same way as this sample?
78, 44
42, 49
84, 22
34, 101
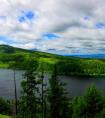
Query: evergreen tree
78, 108
30, 101
94, 101
43, 90
91, 105
58, 101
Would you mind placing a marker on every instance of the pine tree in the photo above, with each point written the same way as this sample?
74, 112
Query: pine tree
43, 91
78, 107
30, 100
94, 101
91, 105
57, 98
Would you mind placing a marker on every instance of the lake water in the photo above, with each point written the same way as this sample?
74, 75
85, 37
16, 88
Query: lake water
7, 83
75, 86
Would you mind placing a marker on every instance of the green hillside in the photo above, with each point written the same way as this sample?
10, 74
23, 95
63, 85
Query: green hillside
65, 65
9, 53
6, 49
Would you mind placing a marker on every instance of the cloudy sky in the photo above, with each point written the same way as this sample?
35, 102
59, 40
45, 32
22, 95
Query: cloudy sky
57, 26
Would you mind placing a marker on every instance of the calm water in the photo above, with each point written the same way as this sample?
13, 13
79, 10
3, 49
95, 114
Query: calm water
7, 83
74, 85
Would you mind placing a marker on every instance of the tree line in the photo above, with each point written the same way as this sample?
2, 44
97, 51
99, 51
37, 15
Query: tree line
41, 99
66, 65
49, 99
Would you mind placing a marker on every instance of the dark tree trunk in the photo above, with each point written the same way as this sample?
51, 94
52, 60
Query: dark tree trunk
15, 91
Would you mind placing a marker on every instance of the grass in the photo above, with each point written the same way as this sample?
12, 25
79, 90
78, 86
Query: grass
48, 60
4, 65
4, 116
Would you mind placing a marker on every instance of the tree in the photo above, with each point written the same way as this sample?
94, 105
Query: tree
14, 65
78, 108
57, 97
90, 105
101, 114
30, 101
94, 101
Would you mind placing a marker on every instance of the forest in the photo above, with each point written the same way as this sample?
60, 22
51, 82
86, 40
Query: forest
50, 100
38, 100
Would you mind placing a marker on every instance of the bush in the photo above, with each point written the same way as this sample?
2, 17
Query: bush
5, 107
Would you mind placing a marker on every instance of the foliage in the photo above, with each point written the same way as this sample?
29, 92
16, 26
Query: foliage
29, 101
91, 105
5, 107
94, 101
66, 65
78, 107
57, 98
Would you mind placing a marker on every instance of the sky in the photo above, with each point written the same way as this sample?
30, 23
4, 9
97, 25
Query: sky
56, 26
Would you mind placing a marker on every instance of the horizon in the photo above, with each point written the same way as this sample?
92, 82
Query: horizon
54, 26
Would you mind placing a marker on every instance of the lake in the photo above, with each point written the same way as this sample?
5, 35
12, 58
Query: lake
75, 86
7, 83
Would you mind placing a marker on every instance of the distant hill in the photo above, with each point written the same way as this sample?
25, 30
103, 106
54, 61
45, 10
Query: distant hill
99, 56
10, 49
6, 49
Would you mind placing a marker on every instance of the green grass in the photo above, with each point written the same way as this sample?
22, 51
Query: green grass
48, 60
4, 116
4, 65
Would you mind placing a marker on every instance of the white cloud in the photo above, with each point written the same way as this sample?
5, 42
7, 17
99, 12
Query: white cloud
64, 17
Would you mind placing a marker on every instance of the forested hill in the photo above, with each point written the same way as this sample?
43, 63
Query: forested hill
9, 49
6, 49
65, 65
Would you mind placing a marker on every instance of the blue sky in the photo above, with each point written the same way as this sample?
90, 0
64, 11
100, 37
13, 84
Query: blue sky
56, 26
25, 16
50, 36
100, 25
